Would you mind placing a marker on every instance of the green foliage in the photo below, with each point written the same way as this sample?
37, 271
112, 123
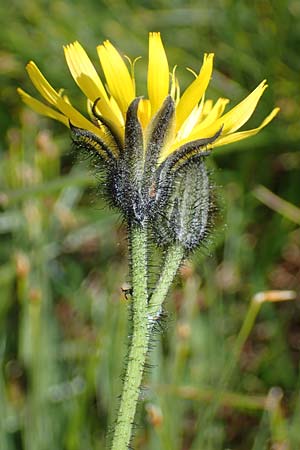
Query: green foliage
63, 255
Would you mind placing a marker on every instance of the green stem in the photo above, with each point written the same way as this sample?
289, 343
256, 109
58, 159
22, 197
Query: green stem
139, 340
144, 316
172, 263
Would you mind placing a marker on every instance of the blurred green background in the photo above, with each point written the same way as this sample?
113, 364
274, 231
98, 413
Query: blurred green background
224, 375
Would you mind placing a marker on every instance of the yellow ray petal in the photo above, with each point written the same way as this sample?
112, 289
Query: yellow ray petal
53, 97
190, 122
84, 72
232, 120
144, 112
207, 107
192, 95
158, 73
88, 81
41, 108
213, 113
77, 118
235, 137
120, 83
41, 84
115, 107
237, 116
223, 140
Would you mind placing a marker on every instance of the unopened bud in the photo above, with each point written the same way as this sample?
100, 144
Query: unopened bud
188, 214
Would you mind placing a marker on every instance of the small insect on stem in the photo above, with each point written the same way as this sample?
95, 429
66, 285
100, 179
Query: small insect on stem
126, 289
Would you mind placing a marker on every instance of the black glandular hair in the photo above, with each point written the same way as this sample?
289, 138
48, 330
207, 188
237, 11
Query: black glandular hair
189, 210
131, 184
174, 197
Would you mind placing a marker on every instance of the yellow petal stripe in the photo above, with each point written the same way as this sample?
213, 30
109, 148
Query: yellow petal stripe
158, 73
119, 81
193, 94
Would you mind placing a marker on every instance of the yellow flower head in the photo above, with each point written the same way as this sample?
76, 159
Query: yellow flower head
151, 150
195, 118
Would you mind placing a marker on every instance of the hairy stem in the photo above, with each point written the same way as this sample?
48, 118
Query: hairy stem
173, 259
143, 317
139, 340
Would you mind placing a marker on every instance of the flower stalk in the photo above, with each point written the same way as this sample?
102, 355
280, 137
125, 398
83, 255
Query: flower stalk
173, 260
139, 339
145, 312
